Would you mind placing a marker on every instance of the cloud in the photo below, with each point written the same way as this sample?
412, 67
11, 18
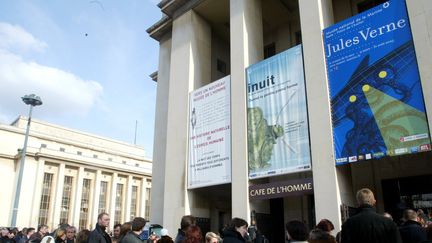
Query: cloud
63, 93
15, 38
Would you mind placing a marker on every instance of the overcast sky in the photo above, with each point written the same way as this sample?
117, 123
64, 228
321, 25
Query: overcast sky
89, 62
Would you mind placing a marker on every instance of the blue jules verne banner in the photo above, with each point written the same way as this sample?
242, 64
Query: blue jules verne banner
376, 96
278, 136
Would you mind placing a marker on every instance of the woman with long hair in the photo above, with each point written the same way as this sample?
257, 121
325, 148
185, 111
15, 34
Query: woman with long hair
193, 235
236, 231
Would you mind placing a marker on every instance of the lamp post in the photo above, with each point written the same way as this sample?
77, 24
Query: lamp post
31, 100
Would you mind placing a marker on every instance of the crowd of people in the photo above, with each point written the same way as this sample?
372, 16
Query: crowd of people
367, 226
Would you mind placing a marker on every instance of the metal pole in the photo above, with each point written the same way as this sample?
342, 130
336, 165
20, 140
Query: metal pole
136, 127
21, 171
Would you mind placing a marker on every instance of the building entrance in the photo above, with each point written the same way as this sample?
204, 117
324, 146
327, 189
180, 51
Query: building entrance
407, 193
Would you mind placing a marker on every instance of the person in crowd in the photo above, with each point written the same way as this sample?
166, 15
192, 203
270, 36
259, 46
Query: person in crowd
26, 237
41, 232
124, 229
21, 234
367, 225
411, 231
387, 215
99, 235
116, 233
83, 236
60, 236
165, 238
325, 225
193, 235
211, 237
132, 236
320, 236
153, 238
186, 222
70, 234
236, 231
297, 231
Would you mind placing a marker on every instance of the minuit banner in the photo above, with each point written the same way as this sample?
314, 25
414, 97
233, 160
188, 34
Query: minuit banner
210, 135
277, 130
376, 96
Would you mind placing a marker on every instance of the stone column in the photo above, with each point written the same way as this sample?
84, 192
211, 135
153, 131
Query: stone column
142, 211
58, 194
190, 69
246, 40
97, 190
78, 196
112, 199
160, 138
314, 17
34, 219
128, 191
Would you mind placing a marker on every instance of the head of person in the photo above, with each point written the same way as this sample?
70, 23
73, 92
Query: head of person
138, 224
103, 220
186, 222
60, 234
125, 228
43, 229
325, 225
116, 230
387, 215
30, 232
410, 214
70, 232
82, 236
239, 225
23, 231
4, 231
12, 233
193, 235
211, 237
296, 230
365, 197
320, 236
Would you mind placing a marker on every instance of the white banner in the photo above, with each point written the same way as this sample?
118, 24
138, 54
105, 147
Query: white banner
210, 135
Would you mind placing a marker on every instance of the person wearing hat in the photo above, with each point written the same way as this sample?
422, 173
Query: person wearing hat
165, 238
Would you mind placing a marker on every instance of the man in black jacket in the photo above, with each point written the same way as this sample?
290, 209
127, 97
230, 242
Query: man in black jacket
98, 235
411, 231
367, 226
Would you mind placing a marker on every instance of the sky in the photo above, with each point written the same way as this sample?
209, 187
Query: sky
89, 61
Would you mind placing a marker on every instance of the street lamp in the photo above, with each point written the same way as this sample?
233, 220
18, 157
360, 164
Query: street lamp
31, 100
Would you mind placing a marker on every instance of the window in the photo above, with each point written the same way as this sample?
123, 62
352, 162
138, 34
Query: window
147, 204
118, 211
79, 152
221, 66
368, 4
62, 149
269, 50
85, 201
109, 159
43, 145
134, 201
103, 197
95, 156
45, 199
66, 199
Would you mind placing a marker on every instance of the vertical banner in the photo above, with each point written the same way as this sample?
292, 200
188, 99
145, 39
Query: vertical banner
278, 135
210, 135
376, 96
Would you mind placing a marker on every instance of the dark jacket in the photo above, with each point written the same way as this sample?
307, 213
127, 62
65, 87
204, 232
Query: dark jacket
180, 236
131, 237
412, 232
232, 236
369, 227
98, 235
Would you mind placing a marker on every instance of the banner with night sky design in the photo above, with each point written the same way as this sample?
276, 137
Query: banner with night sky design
376, 96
